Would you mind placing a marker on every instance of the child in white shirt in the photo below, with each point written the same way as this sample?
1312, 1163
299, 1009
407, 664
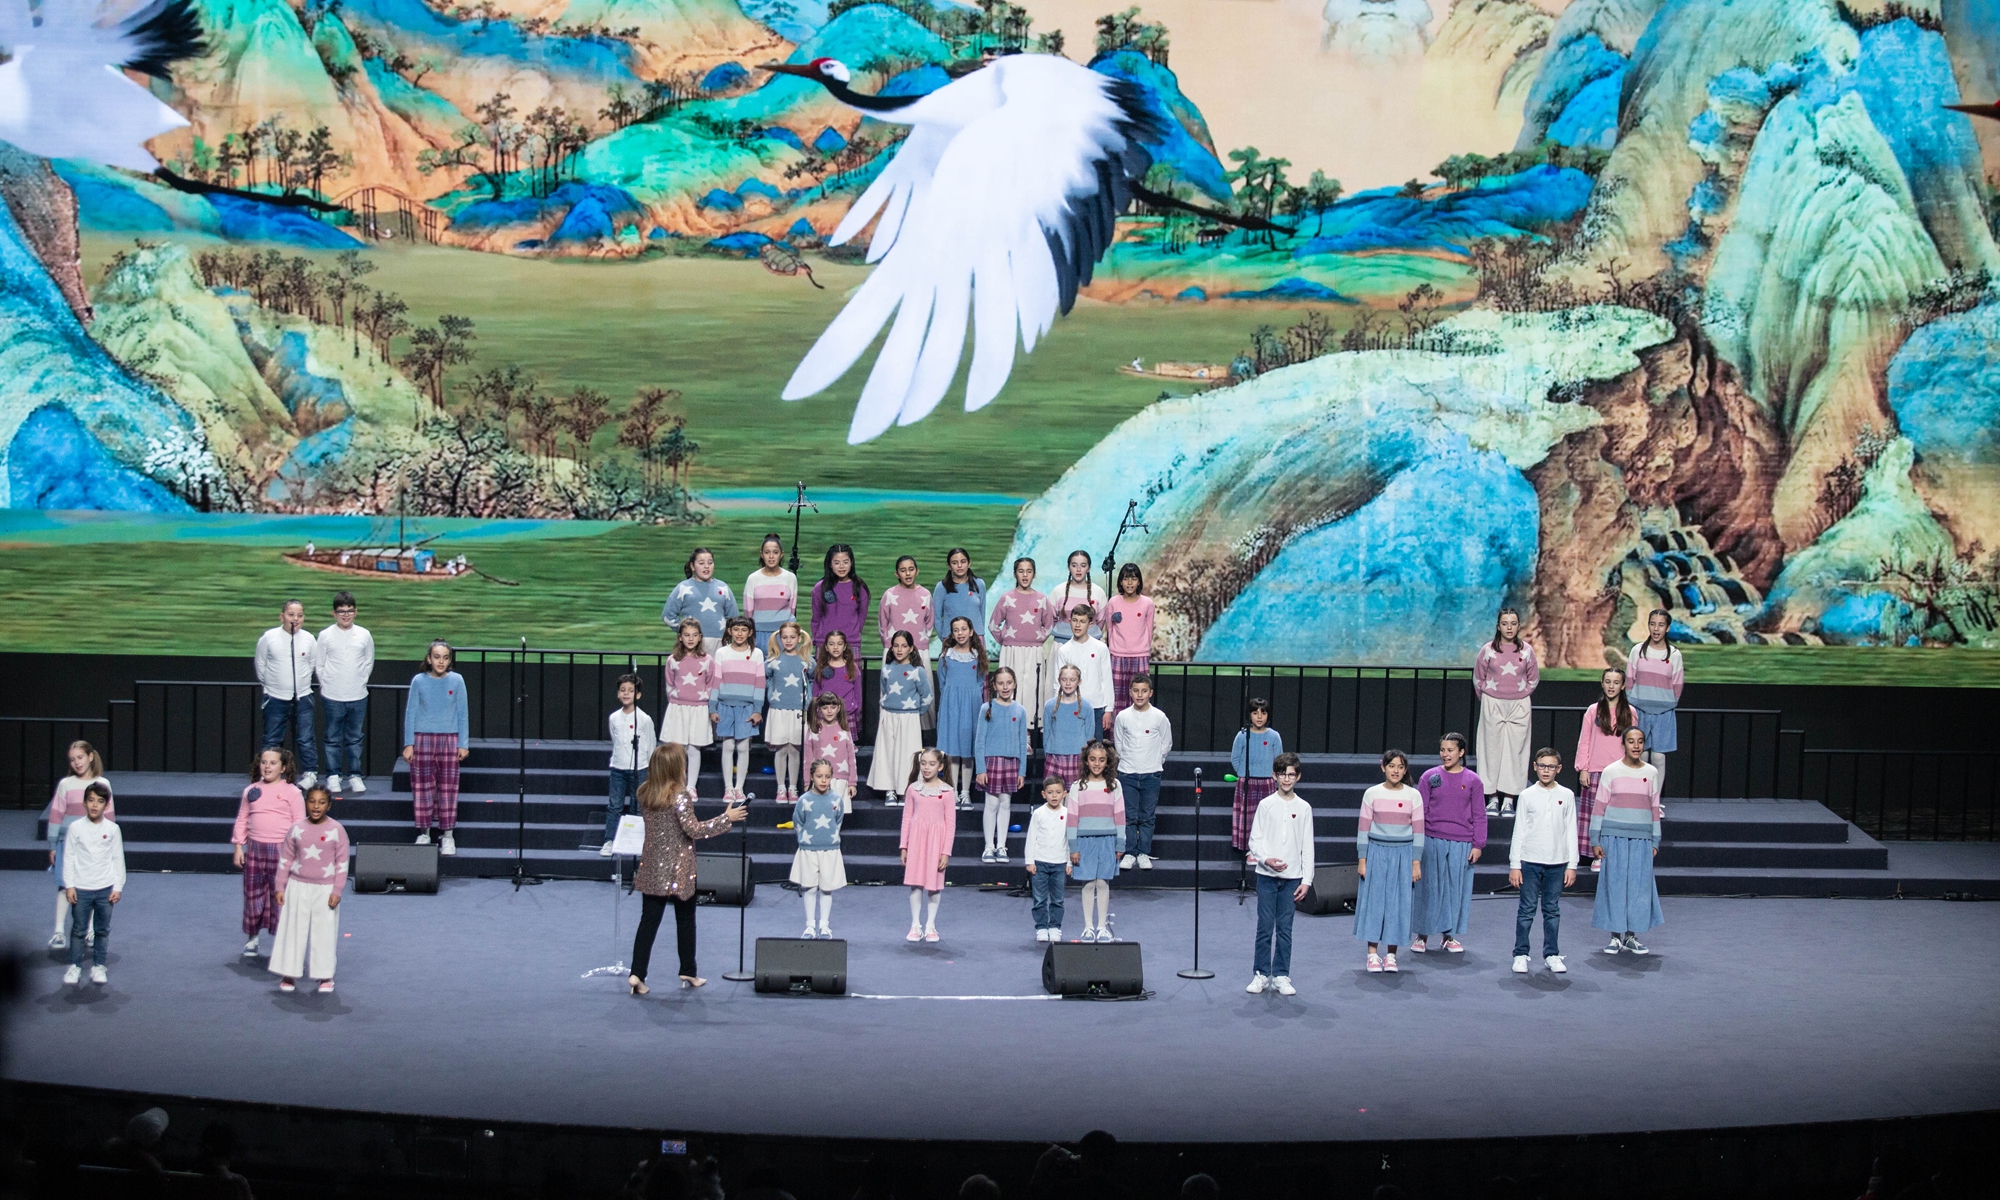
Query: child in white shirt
1542, 858
1047, 853
1281, 848
93, 880
1092, 660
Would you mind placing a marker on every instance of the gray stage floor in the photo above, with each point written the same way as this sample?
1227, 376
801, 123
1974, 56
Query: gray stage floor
474, 1003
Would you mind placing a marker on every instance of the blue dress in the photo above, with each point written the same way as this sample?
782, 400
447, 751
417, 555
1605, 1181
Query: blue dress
959, 695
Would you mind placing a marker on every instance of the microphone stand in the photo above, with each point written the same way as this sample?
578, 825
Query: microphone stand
798, 508
739, 975
1195, 972
521, 878
1110, 564
618, 885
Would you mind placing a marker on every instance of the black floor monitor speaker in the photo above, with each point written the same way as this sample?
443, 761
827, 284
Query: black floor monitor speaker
800, 966
724, 878
1333, 891
395, 866
1093, 969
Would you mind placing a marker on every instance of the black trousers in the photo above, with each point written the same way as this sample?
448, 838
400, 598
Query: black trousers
650, 915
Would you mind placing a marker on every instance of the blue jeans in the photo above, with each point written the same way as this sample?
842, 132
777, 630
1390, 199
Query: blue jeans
1047, 886
624, 794
90, 903
299, 714
345, 719
1142, 803
1543, 883
1275, 907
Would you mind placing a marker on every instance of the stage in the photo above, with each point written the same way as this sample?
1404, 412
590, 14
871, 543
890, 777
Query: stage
474, 1003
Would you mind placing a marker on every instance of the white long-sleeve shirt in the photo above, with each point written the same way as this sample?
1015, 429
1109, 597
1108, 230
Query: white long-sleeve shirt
1092, 659
1283, 829
1544, 827
275, 669
1143, 740
94, 856
621, 738
1048, 835
343, 659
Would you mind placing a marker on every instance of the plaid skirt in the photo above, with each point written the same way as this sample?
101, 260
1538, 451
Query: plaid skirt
1586, 803
1250, 791
1123, 672
1066, 767
260, 877
1003, 776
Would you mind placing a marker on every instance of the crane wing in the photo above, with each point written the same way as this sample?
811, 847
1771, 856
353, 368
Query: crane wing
64, 94
995, 223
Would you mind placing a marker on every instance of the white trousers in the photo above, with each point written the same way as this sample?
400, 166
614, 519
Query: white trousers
305, 922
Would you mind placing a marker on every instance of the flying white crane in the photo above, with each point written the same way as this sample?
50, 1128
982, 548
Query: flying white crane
63, 93
1000, 202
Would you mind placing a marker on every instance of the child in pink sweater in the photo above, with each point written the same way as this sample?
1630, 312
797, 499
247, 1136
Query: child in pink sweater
1599, 743
1128, 632
270, 806
312, 872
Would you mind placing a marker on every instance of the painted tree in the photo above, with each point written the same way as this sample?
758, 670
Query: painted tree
585, 411
436, 349
650, 414
1260, 185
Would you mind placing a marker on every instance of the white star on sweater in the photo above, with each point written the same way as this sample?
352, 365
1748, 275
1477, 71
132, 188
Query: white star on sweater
691, 677
822, 821
708, 605
1007, 601
793, 680
909, 616
895, 689
1508, 669
311, 852
686, 589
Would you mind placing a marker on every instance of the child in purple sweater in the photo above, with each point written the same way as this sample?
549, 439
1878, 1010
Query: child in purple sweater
312, 871
1454, 800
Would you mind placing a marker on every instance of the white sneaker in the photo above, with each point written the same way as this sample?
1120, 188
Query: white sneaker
1507, 808
1088, 935
357, 785
1616, 945
250, 948
986, 857
1104, 934
1127, 863
1284, 985
308, 779
604, 851
1493, 807
1520, 964
333, 783
1145, 862
73, 975
826, 931
1000, 855
1556, 965
808, 934
424, 838
1258, 983
1041, 935
97, 976
449, 848
58, 940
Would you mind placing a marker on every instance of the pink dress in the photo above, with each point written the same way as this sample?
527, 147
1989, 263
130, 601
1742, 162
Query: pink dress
930, 823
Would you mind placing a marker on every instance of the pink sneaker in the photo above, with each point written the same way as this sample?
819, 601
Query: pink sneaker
325, 986
1418, 947
1374, 964
1454, 945
1389, 964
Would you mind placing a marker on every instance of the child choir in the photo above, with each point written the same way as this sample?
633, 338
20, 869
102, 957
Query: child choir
1068, 667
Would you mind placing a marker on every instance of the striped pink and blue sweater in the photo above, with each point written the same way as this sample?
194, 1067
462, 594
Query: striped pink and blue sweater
1096, 811
1391, 817
1653, 683
1628, 803
739, 678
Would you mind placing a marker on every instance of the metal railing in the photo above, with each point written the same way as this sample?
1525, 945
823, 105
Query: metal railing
37, 750
1909, 795
558, 694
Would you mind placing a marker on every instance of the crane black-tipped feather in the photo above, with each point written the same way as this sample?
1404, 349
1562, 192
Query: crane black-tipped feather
164, 33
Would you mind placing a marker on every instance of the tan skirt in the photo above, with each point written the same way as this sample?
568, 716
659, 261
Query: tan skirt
1503, 744
822, 869
898, 737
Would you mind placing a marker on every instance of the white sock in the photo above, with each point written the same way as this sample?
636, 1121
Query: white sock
916, 906
1659, 760
961, 770
694, 765
62, 914
742, 764
937, 898
807, 894
1103, 887
786, 762
825, 909
998, 810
